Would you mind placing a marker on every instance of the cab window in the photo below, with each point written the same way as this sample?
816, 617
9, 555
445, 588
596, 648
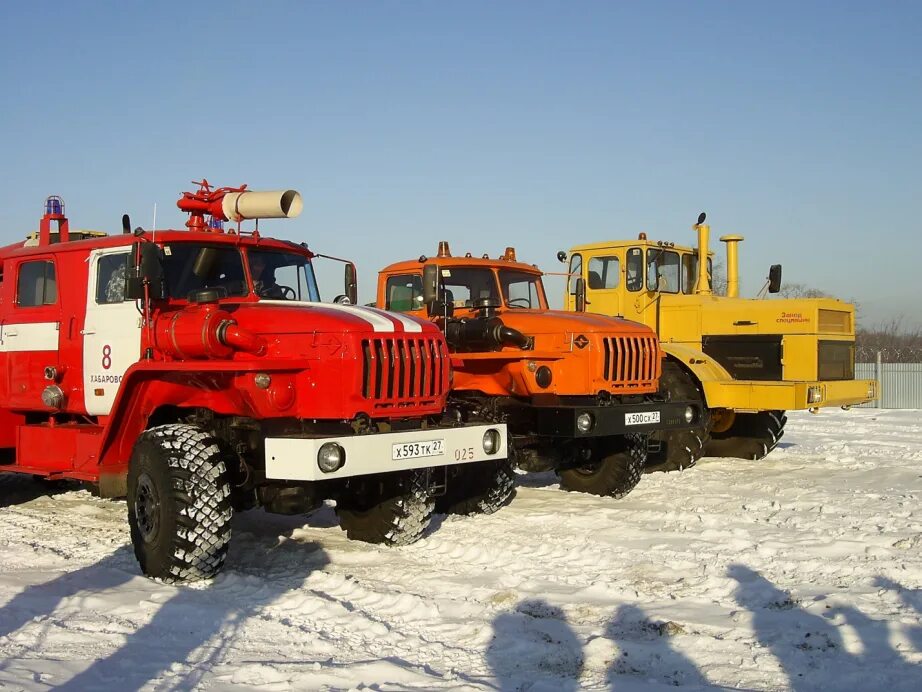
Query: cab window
576, 270
465, 286
634, 266
280, 275
190, 267
520, 289
662, 271
37, 284
404, 293
689, 273
111, 274
604, 273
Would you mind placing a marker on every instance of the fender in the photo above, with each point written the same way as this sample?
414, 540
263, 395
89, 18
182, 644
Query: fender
710, 374
148, 386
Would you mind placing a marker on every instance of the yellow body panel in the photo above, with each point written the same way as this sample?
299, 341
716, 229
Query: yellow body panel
657, 284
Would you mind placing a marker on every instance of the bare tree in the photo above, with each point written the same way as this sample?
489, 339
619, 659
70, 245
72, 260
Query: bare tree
798, 290
896, 342
719, 278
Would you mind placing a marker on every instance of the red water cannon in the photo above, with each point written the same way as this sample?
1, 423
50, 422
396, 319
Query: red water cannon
236, 204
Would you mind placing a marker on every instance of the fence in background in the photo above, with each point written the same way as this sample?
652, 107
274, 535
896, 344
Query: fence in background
898, 373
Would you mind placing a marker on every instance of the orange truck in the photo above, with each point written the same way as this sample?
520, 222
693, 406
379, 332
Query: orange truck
579, 392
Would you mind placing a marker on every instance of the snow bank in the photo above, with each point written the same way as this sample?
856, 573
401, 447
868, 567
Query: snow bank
802, 571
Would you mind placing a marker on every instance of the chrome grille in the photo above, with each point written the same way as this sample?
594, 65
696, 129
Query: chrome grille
630, 359
403, 371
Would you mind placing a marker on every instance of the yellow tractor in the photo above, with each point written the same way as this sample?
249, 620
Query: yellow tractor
748, 359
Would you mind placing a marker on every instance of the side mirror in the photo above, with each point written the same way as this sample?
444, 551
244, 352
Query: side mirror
148, 270
430, 285
351, 284
774, 278
580, 295
561, 256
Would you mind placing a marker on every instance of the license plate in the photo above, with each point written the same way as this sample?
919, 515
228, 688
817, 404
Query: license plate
641, 418
418, 450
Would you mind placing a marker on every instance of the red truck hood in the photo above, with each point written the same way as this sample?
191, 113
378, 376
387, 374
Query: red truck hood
297, 317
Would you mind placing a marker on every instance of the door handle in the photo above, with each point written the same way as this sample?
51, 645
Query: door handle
87, 331
9, 333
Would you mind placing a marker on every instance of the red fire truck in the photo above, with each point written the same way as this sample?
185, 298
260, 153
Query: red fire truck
197, 373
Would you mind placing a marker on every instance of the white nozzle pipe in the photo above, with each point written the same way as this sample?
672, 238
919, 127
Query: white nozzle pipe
275, 204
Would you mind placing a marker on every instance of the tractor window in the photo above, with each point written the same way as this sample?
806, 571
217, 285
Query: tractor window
282, 276
404, 293
190, 267
521, 289
37, 284
662, 271
604, 273
468, 285
689, 273
634, 269
111, 274
576, 270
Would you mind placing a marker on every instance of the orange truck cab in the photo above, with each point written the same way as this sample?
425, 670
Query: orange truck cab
579, 392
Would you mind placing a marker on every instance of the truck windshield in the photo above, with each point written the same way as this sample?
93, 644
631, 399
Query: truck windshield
521, 289
465, 286
282, 276
192, 267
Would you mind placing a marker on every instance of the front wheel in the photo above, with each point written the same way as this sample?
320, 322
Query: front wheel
394, 511
610, 466
179, 503
479, 488
751, 436
678, 450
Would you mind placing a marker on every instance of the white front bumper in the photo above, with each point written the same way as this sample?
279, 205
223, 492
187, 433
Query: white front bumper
295, 458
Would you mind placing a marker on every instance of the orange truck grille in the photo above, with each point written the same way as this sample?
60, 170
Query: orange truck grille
630, 360
402, 371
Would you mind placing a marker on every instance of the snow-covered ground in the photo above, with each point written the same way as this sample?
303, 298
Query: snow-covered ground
802, 571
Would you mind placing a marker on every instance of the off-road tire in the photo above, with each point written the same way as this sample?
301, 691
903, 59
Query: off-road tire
679, 450
396, 515
179, 503
479, 488
615, 470
752, 436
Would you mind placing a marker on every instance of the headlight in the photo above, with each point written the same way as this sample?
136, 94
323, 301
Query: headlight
331, 457
689, 414
262, 380
544, 376
492, 441
584, 422
814, 395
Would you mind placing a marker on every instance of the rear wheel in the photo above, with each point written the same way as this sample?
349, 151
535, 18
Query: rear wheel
179, 506
480, 488
751, 436
677, 450
610, 466
395, 511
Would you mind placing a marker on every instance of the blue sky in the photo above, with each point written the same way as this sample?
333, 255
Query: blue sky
538, 124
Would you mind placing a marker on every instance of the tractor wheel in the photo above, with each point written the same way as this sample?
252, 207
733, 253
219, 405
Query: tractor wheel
677, 450
482, 488
613, 467
179, 504
752, 436
396, 514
